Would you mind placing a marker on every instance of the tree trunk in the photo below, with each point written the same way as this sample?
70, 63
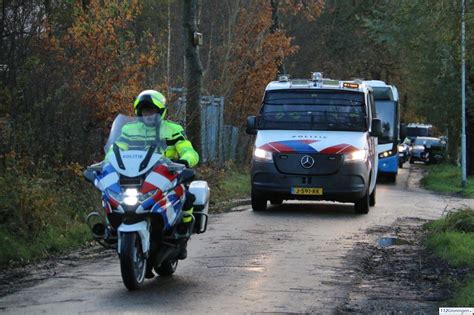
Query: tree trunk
193, 76
168, 50
469, 127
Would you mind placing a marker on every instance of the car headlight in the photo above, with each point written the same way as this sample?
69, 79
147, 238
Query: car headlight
116, 196
130, 196
360, 155
262, 155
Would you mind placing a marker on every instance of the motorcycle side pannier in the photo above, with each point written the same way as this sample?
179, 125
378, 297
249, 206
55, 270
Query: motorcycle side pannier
200, 189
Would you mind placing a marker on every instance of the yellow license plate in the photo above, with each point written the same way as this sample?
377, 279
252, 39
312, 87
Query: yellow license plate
306, 191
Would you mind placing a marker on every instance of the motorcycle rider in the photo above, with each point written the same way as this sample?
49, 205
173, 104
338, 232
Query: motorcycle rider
151, 105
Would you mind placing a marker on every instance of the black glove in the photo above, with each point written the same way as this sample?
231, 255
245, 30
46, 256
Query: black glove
186, 163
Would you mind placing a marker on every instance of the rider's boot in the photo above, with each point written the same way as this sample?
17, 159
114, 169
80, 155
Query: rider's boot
183, 231
149, 274
184, 252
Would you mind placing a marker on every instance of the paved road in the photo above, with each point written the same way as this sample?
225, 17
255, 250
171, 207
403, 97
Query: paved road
290, 259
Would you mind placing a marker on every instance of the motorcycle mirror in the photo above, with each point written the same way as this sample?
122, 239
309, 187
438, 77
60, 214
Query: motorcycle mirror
89, 175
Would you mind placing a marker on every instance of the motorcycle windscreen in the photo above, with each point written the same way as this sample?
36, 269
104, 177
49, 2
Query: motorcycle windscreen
135, 144
136, 133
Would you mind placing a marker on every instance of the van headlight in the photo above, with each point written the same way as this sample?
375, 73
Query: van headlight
263, 155
356, 156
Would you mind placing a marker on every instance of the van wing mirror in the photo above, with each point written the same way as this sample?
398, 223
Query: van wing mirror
251, 125
376, 130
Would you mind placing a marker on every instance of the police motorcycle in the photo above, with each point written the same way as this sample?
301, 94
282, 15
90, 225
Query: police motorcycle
143, 194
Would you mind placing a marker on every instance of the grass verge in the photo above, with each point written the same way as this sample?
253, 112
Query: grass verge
42, 214
227, 183
446, 178
452, 238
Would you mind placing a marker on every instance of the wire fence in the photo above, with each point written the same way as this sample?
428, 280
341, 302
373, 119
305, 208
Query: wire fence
218, 141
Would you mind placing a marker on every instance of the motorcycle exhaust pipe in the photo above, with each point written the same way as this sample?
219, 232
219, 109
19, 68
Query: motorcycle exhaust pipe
98, 230
164, 254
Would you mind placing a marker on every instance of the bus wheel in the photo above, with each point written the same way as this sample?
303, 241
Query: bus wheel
392, 178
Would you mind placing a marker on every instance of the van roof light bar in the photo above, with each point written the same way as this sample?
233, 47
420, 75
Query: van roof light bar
283, 78
317, 78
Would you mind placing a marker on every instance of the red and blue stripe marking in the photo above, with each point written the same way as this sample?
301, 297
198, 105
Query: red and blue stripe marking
304, 146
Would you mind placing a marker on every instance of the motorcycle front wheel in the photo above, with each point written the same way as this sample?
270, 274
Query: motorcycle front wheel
132, 261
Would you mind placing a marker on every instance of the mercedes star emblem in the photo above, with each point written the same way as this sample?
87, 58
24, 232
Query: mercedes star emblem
307, 161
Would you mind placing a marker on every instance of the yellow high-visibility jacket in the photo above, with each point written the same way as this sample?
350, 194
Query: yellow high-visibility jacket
142, 135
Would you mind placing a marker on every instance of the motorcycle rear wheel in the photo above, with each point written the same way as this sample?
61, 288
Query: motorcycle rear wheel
132, 261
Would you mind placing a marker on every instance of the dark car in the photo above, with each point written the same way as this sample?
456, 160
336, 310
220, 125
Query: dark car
428, 150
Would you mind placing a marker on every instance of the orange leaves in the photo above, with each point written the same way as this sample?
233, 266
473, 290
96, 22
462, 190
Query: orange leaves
101, 56
309, 9
257, 54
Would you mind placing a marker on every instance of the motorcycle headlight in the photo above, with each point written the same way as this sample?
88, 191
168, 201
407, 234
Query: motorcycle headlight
359, 155
260, 154
401, 148
130, 196
143, 197
116, 196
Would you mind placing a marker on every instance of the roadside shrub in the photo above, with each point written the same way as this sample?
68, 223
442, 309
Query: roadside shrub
43, 214
461, 220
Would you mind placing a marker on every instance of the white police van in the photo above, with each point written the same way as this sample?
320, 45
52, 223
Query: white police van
316, 140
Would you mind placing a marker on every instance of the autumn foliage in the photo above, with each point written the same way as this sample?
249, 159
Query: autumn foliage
76, 64
100, 49
256, 56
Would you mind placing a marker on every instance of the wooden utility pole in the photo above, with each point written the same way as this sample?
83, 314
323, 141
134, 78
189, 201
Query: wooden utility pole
192, 40
463, 100
275, 5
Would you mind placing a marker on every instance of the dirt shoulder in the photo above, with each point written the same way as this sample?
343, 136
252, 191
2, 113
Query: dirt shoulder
395, 274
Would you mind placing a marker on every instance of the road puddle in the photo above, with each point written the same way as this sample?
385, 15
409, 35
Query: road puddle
391, 241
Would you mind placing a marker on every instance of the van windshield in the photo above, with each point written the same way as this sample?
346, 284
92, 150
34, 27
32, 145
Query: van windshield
313, 110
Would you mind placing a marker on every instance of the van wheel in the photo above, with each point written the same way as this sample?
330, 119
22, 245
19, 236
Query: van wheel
259, 203
372, 197
362, 205
392, 178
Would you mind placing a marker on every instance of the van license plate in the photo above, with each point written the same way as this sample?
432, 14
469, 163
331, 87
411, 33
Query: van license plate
306, 191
